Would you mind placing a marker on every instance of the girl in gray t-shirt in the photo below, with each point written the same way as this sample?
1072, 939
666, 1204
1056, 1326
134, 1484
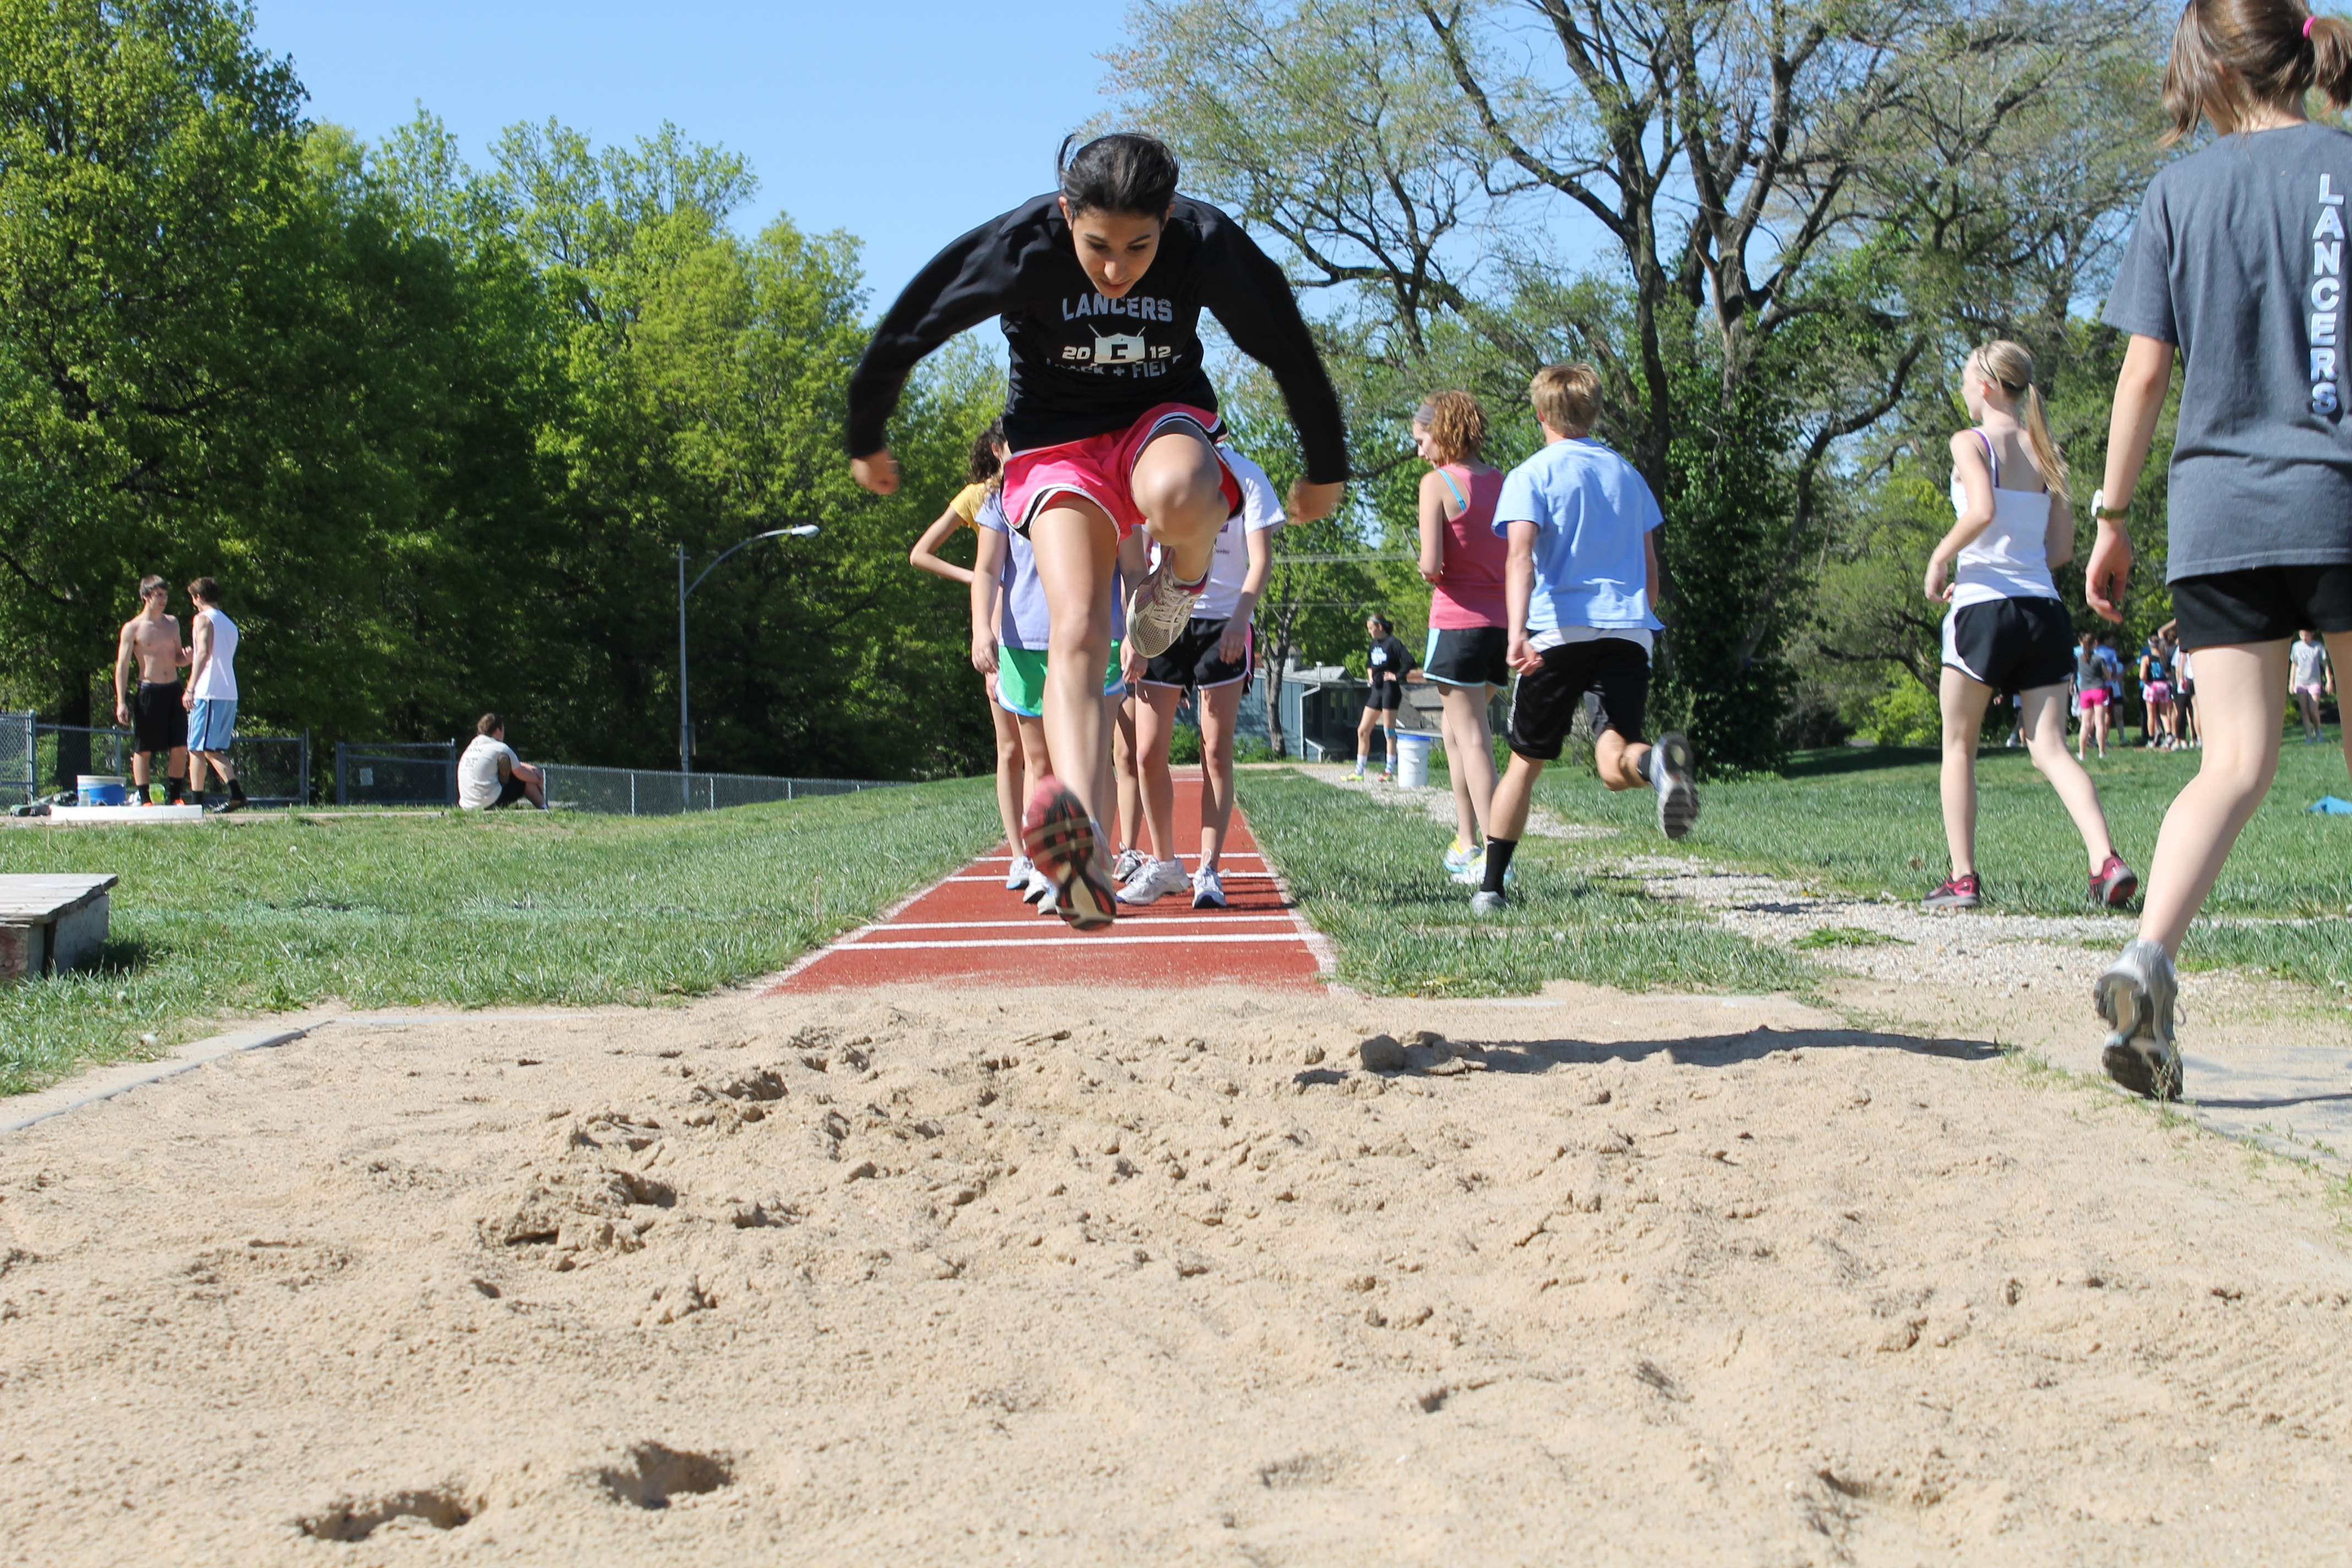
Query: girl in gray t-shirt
2238, 263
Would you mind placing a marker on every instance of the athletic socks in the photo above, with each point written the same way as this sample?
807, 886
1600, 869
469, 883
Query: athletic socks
1499, 861
195, 797
1649, 767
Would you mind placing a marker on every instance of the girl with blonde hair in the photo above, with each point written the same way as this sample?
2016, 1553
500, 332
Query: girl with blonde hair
2007, 630
1462, 559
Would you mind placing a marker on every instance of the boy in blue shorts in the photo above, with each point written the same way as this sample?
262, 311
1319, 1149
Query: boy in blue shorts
1578, 585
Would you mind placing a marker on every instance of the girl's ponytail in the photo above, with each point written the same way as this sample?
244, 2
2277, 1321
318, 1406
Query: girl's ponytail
2010, 365
2331, 59
2046, 455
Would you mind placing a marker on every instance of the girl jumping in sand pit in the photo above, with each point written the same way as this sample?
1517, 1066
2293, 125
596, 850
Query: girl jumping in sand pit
2237, 261
1113, 427
2007, 629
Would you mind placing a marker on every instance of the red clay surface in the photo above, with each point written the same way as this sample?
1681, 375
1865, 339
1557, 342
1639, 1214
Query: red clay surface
970, 927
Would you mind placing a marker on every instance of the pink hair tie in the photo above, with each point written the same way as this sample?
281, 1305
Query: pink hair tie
2307, 21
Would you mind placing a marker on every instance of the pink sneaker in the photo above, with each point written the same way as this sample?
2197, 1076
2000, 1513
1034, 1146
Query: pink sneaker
1064, 843
2114, 883
1956, 893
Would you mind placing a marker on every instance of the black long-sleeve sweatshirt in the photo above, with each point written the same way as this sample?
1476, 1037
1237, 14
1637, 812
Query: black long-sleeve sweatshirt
1084, 364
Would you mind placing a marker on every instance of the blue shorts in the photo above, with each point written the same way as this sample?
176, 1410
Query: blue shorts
212, 723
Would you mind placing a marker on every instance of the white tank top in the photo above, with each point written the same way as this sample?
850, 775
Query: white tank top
2011, 559
219, 677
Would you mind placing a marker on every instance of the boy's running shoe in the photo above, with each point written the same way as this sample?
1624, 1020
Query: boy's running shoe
1954, 893
1670, 776
1458, 859
1057, 834
1128, 863
2136, 997
1485, 903
1208, 890
1154, 882
2114, 883
1016, 876
1040, 890
1159, 611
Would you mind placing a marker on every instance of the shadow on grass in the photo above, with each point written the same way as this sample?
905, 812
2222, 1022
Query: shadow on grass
1532, 1057
2283, 1103
1832, 760
121, 956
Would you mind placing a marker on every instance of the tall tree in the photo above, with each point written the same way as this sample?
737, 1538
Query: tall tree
1757, 217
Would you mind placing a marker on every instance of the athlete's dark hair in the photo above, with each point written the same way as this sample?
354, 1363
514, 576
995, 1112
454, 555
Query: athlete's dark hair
2233, 57
1122, 173
1380, 621
204, 591
984, 465
148, 585
488, 724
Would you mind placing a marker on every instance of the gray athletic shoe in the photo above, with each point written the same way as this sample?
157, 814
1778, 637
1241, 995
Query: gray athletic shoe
1670, 776
1128, 863
1159, 611
1486, 903
2137, 997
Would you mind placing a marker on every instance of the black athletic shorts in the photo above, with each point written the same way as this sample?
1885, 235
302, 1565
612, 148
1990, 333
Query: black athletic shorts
510, 790
1191, 661
158, 722
2265, 604
1385, 698
1468, 655
2011, 644
1543, 708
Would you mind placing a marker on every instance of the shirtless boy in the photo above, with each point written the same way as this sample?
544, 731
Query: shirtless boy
149, 646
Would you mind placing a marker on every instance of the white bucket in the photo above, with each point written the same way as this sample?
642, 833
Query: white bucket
1413, 759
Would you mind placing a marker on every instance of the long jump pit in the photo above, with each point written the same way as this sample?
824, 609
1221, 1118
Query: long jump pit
938, 1272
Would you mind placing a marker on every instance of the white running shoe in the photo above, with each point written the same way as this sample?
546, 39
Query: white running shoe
1485, 903
1670, 776
1208, 890
1155, 882
1128, 863
1040, 890
2136, 997
1473, 875
1459, 858
1016, 876
1159, 611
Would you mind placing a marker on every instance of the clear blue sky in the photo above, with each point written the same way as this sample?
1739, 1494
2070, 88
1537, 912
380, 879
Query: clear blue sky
903, 121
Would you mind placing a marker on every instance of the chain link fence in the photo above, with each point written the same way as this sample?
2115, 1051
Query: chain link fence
642, 791
275, 770
20, 775
396, 772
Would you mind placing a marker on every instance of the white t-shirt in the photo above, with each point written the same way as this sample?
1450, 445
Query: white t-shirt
217, 680
2310, 662
477, 772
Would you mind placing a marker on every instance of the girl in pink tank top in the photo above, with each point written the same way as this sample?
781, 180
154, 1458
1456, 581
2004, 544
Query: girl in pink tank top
1462, 558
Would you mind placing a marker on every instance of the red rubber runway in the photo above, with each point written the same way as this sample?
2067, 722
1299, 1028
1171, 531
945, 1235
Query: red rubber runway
969, 927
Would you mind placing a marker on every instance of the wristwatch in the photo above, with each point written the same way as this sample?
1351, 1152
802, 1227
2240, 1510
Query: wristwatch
2100, 509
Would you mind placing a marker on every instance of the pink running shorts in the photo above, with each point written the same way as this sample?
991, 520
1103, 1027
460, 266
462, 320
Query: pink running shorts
1101, 468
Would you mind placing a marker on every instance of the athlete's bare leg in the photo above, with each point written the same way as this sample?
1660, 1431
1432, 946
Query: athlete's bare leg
1469, 757
2247, 685
1178, 487
1132, 819
1964, 702
1155, 725
1009, 794
2044, 723
1075, 543
1220, 707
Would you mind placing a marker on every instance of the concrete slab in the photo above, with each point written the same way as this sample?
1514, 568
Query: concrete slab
50, 923
88, 815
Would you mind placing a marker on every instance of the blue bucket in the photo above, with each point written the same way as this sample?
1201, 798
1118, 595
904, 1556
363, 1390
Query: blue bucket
101, 789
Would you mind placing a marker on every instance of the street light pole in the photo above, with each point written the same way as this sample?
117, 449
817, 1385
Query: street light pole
685, 714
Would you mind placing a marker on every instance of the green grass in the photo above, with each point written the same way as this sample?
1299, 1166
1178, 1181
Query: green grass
463, 910
1367, 874
1871, 821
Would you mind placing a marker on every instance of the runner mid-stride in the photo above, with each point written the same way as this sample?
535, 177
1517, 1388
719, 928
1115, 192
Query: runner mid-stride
1112, 424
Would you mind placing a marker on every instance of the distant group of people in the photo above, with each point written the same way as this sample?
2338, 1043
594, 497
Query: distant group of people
189, 725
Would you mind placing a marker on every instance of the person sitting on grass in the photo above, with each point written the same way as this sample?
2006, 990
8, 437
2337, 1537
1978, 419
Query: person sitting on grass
490, 775
1579, 583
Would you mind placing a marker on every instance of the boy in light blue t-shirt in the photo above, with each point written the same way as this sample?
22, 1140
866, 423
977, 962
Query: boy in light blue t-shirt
1581, 579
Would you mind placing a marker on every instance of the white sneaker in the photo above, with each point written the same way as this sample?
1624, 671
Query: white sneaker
1016, 876
1040, 887
1155, 882
1473, 875
1208, 890
1458, 859
2137, 997
1670, 770
1128, 863
1159, 611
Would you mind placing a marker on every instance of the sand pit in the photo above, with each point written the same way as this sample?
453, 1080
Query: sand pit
978, 1279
